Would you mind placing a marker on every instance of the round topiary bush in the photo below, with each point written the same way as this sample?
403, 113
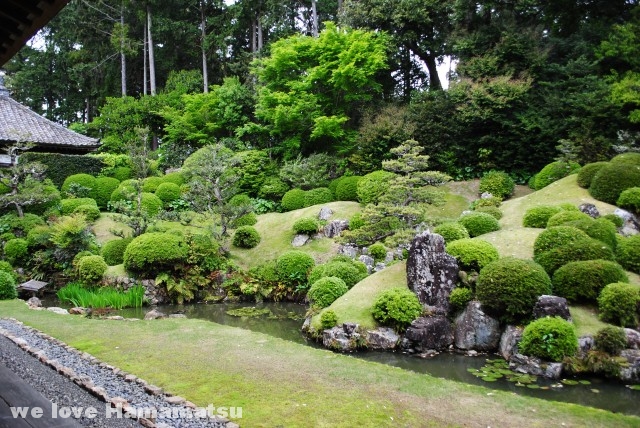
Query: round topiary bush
601, 229
5, 266
246, 237
90, 212
373, 185
617, 221
38, 236
345, 270
629, 158
618, 304
68, 206
611, 340
378, 251
249, 219
79, 185
273, 188
150, 184
319, 195
451, 231
550, 339
584, 249
539, 216
498, 183
293, 200
554, 172
587, 172
583, 280
328, 319
628, 253
564, 217
397, 307
492, 201
7, 286
168, 192
492, 211
612, 179
356, 221
325, 291
556, 237
460, 298
510, 287
293, 266
629, 199
151, 204
113, 251
307, 226
91, 268
478, 223
126, 190
21, 225
347, 188
122, 173
16, 250
472, 254
102, 190
151, 252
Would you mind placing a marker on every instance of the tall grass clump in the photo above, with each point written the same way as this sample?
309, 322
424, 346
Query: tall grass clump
98, 298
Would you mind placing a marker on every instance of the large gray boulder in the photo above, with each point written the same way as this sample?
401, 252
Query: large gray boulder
633, 338
335, 228
476, 330
509, 341
631, 373
551, 306
300, 240
590, 210
382, 338
154, 314
325, 214
431, 272
428, 333
345, 337
534, 366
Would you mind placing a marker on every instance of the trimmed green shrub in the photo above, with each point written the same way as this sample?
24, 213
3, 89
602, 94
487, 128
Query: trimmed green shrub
60, 166
307, 226
150, 184
347, 188
253, 168
248, 219
20, 226
460, 298
478, 223
79, 185
151, 204
356, 221
584, 249
587, 172
539, 216
273, 189
246, 237
345, 270
554, 172
126, 191
91, 268
550, 339
612, 180
7, 286
498, 183
122, 173
319, 195
168, 192
294, 266
472, 254
90, 212
492, 201
293, 200
39, 236
600, 229
618, 304
492, 211
629, 199
333, 184
325, 291
628, 253
102, 190
240, 200
397, 307
68, 206
451, 231
175, 177
378, 251
510, 287
152, 252
5, 266
556, 237
564, 217
113, 251
583, 280
328, 319
373, 185
16, 250
611, 340
614, 219
629, 158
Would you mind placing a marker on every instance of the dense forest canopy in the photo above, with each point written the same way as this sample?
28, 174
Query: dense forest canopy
352, 78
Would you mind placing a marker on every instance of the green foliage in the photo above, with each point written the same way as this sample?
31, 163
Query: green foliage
451, 231
373, 185
492, 211
150, 204
629, 199
328, 319
460, 298
90, 212
345, 270
554, 172
78, 185
564, 217
168, 192
68, 206
113, 251
104, 297
557, 236
397, 307
612, 179
7, 286
479, 223
20, 226
472, 254
294, 266
122, 173
102, 190
320, 195
587, 172
152, 252
16, 250
150, 184
347, 188
628, 158
273, 188
617, 221
539, 216
579, 250
550, 339
248, 219
378, 251
246, 237
628, 253
5, 266
91, 269
601, 229
71, 235
611, 340
492, 201
583, 280
175, 177
325, 291
60, 166
618, 304
311, 172
253, 168
356, 221
293, 199
307, 226
510, 287
498, 183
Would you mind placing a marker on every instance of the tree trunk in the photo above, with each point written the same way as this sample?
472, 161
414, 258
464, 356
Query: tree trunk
259, 31
205, 72
430, 61
145, 78
152, 61
123, 60
314, 17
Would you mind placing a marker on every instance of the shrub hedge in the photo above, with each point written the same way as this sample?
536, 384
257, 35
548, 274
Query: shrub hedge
328, 319
249, 219
587, 172
564, 217
451, 231
492, 211
90, 212
583, 249
344, 270
347, 188
612, 179
319, 195
293, 267
583, 280
86, 181
478, 223
611, 340
628, 253
152, 252
378, 251
68, 206
540, 215
325, 291
397, 307
113, 251
601, 229
16, 250
150, 184
498, 183
629, 199
273, 189
168, 192
460, 298
618, 304
554, 172
556, 237
373, 185
629, 158
307, 226
293, 199
246, 237
472, 254
7, 286
549, 338
102, 190
61, 166
91, 268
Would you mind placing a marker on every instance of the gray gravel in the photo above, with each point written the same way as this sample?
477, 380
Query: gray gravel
62, 391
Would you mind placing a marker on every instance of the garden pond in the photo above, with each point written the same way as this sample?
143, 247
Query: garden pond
284, 320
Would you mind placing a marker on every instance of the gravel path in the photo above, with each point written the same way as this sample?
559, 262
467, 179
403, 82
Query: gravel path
96, 380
